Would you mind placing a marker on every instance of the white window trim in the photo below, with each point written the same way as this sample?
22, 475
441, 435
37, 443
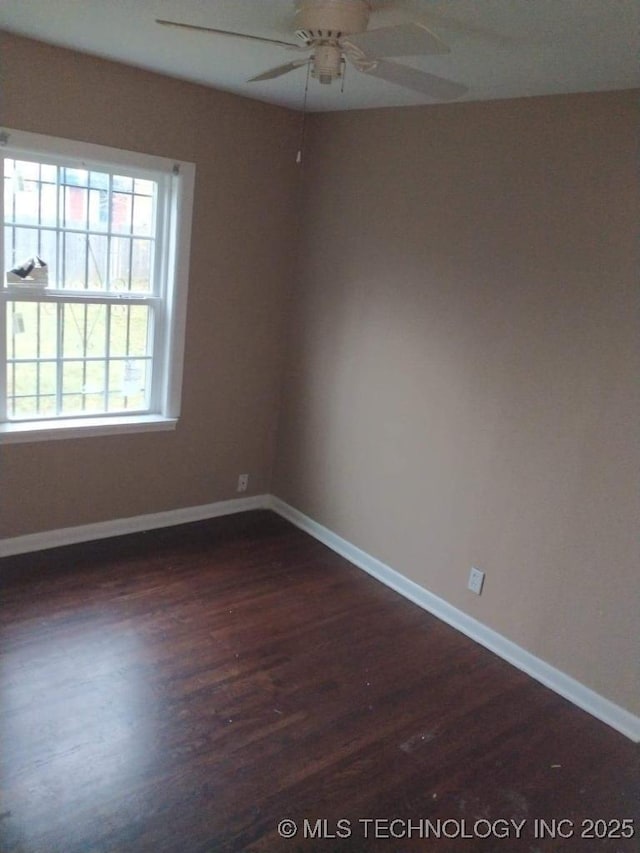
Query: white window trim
177, 231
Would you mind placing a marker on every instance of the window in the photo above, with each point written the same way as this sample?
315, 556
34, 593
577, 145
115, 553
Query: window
91, 337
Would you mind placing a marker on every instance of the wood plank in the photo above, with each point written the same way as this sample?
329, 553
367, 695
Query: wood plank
186, 689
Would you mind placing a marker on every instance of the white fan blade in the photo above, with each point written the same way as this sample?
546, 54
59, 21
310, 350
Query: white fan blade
429, 84
466, 28
225, 33
403, 40
278, 71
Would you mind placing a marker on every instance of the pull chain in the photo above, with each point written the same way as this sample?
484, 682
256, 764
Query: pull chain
304, 116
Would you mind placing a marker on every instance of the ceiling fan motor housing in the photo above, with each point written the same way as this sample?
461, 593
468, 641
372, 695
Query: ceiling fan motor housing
328, 20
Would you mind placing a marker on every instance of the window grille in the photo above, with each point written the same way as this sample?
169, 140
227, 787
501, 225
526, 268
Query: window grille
93, 335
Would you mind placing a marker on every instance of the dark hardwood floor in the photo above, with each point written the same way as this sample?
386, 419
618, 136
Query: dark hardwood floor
187, 689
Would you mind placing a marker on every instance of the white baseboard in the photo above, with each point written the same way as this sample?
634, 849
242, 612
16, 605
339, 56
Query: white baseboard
121, 526
603, 709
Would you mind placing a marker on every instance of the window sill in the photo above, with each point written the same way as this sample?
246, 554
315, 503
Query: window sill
16, 433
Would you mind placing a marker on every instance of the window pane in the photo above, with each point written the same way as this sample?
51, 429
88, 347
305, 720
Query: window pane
98, 210
10, 374
72, 378
23, 243
9, 188
98, 248
83, 386
93, 403
118, 336
120, 182
120, 263
31, 390
47, 407
138, 330
129, 330
48, 173
48, 330
8, 194
31, 330
141, 265
93, 388
142, 215
75, 207
84, 330
26, 204
19, 320
49, 205
142, 187
22, 382
48, 252
71, 404
128, 383
99, 180
121, 210
8, 247
32, 407
26, 170
25, 378
48, 381
21, 192
30, 193
75, 261
75, 177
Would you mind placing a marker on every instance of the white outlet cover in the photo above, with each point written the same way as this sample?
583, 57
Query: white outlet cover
476, 580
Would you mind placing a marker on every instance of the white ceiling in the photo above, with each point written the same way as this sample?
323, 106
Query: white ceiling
499, 48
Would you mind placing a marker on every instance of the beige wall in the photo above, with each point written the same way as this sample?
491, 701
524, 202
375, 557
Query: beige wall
244, 153
461, 385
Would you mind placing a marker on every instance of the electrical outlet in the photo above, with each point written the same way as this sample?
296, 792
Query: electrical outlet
476, 580
243, 482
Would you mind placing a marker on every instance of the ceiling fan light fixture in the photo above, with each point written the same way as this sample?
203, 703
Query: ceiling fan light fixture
327, 63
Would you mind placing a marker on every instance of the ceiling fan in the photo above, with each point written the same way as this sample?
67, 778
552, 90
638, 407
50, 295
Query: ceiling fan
335, 31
